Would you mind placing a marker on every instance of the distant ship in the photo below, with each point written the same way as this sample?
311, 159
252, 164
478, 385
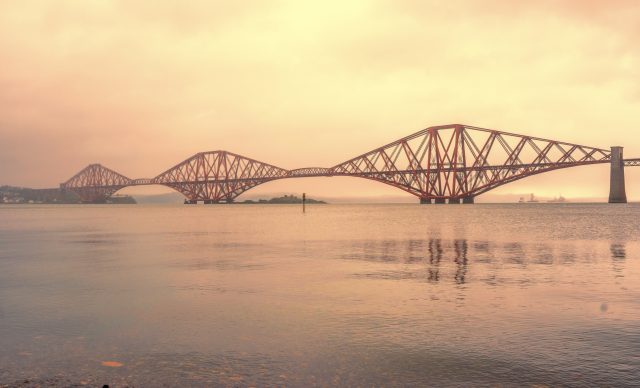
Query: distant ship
560, 199
531, 199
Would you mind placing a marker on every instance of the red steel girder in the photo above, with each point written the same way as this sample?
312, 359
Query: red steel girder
456, 167
95, 183
218, 176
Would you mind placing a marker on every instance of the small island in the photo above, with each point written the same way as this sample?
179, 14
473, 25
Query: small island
286, 199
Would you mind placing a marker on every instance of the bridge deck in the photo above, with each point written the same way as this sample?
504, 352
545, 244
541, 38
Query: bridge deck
632, 162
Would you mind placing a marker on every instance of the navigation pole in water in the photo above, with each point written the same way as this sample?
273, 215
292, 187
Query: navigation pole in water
617, 193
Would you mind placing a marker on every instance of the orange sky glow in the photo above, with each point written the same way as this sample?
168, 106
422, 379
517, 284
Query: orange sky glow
141, 85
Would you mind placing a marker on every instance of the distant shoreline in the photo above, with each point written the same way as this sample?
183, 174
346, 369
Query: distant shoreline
11, 195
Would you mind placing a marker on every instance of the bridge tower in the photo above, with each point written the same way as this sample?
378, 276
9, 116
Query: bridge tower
617, 192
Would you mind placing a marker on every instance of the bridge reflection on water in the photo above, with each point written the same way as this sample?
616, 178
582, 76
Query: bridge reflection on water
435, 260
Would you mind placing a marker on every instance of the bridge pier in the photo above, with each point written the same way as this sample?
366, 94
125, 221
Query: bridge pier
190, 202
426, 201
617, 193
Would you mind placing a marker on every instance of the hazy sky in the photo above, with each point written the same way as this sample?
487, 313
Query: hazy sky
141, 85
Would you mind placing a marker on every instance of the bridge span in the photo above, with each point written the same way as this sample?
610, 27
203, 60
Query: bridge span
441, 164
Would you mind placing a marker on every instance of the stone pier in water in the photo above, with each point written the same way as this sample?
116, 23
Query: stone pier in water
617, 193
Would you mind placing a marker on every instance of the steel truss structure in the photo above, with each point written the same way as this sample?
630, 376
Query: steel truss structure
95, 183
632, 162
218, 176
450, 162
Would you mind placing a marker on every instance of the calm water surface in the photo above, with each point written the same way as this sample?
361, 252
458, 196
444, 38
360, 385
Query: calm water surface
366, 295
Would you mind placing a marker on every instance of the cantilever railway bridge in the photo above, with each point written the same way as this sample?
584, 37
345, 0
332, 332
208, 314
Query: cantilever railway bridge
448, 163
